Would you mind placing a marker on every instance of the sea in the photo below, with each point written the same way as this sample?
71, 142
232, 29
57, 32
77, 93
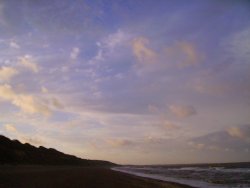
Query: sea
225, 175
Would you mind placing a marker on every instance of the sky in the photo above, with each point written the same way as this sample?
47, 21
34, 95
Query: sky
129, 81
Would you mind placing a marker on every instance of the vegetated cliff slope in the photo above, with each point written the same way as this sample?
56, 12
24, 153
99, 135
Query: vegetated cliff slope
14, 152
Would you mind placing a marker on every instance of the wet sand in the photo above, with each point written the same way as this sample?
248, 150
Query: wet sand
74, 177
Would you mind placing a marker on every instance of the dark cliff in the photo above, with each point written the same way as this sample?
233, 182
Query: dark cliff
14, 152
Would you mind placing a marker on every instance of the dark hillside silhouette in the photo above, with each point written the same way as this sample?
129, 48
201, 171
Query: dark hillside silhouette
14, 152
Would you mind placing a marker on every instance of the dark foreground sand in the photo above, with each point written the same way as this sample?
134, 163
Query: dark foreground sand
73, 177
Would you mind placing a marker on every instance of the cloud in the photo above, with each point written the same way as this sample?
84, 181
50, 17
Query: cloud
222, 84
110, 47
238, 45
6, 73
44, 89
10, 128
74, 53
143, 53
183, 54
196, 145
22, 137
153, 140
182, 111
115, 39
14, 45
27, 103
240, 132
235, 132
28, 62
34, 140
30, 104
235, 138
211, 87
119, 142
56, 103
169, 125
153, 109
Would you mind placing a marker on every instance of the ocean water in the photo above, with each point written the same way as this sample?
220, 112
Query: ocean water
230, 175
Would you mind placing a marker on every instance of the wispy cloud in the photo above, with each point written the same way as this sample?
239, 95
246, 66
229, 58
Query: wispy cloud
14, 45
111, 46
238, 44
153, 109
142, 52
74, 53
119, 142
182, 111
183, 54
12, 131
143, 79
44, 89
115, 40
10, 128
56, 103
27, 103
235, 138
169, 125
6, 73
178, 55
210, 86
240, 132
28, 62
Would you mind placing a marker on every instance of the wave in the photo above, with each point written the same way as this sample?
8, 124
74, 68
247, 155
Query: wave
211, 177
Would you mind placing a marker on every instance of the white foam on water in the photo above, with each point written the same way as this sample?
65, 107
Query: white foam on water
220, 169
194, 183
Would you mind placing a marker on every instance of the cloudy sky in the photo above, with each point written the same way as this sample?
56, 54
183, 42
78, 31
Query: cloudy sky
133, 81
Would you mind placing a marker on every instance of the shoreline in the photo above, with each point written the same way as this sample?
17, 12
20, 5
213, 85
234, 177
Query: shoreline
75, 177
154, 179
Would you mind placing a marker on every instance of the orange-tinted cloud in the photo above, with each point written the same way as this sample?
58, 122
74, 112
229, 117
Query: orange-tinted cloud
180, 54
27, 103
183, 54
28, 62
182, 111
239, 132
119, 142
10, 128
6, 73
142, 52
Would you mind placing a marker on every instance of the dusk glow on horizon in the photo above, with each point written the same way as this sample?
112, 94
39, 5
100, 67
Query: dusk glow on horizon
128, 81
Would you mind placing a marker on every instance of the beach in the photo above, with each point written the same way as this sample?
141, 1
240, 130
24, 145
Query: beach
216, 175
74, 177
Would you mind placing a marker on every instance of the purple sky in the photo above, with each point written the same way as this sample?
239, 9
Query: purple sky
133, 81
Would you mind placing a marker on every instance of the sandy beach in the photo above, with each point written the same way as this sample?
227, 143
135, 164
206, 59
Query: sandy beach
74, 177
